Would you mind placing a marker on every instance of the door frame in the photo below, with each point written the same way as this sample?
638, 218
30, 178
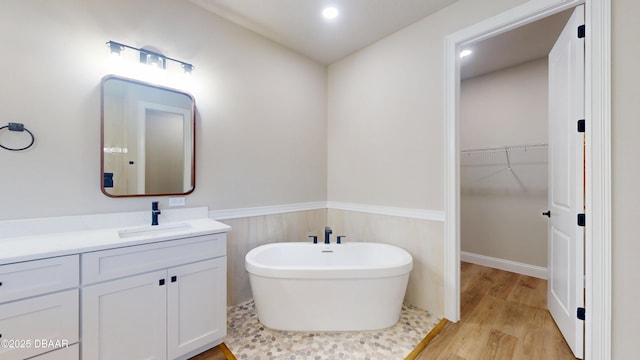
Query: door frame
598, 154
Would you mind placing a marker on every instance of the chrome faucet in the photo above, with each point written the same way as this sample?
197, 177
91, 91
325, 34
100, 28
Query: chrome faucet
154, 213
327, 232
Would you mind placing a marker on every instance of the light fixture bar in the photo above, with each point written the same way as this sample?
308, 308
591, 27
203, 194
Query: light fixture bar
149, 57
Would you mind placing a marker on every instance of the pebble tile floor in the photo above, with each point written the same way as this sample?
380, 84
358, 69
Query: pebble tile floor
248, 339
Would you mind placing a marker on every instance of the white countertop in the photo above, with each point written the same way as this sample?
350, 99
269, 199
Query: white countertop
30, 247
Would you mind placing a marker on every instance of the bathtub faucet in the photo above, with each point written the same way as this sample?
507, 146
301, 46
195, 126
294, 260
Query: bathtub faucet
327, 232
154, 213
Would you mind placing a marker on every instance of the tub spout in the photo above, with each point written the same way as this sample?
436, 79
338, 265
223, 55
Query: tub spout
327, 233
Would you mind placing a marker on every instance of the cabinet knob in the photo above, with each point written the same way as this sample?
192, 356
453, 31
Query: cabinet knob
174, 278
161, 282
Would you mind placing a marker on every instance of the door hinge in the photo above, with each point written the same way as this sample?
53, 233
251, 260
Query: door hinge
580, 31
580, 313
581, 126
581, 220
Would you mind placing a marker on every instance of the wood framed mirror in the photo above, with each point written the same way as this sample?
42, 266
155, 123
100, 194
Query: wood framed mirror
147, 139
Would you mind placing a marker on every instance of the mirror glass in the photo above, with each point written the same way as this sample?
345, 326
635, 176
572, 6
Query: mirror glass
148, 138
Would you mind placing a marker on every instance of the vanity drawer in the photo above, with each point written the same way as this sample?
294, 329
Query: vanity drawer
38, 325
126, 261
29, 278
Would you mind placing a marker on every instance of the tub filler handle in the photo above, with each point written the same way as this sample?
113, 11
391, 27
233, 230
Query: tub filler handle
315, 238
339, 239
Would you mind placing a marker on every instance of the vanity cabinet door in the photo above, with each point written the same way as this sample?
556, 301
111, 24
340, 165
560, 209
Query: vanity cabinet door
197, 306
125, 318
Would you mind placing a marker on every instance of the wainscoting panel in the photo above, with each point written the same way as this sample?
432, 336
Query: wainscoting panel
250, 232
423, 239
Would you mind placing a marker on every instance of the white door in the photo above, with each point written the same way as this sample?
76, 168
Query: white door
566, 239
197, 304
125, 319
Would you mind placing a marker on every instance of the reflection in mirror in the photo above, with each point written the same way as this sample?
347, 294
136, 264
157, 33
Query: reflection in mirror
148, 138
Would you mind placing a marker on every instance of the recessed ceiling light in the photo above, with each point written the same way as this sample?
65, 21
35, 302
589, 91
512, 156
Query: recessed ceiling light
465, 52
330, 13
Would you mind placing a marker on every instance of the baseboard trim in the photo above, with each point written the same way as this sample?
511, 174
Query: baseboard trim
506, 265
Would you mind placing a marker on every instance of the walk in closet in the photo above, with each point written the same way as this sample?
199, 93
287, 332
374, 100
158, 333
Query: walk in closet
503, 168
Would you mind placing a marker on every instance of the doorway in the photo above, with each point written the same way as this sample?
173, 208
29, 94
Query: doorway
598, 213
503, 115
505, 128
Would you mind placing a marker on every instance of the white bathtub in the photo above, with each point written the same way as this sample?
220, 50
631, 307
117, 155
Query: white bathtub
338, 287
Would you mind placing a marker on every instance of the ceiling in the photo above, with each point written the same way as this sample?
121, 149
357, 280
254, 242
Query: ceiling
526, 43
299, 25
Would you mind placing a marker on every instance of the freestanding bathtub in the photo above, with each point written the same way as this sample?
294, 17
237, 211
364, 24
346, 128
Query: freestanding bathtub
352, 286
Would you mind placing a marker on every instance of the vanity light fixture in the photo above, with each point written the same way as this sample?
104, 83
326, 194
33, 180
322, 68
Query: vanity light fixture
153, 59
188, 68
149, 57
115, 48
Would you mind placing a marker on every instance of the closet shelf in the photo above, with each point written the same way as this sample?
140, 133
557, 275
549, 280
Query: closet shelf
507, 148
488, 152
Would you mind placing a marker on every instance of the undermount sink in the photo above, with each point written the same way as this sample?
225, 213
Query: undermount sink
152, 230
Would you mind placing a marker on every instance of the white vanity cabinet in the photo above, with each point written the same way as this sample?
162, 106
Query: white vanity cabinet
164, 300
39, 309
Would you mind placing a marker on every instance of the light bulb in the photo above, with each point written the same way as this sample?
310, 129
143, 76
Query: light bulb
330, 13
465, 52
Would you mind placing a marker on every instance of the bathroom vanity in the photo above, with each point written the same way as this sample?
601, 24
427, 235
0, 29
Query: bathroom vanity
133, 292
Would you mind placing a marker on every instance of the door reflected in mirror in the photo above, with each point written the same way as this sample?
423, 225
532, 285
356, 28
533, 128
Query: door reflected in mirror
148, 138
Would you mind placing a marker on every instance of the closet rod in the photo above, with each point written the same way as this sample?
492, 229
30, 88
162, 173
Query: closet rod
520, 147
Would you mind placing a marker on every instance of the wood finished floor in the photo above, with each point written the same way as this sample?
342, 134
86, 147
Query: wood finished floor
504, 316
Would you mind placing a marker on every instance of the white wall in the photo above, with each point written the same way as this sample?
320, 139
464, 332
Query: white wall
505, 107
626, 172
386, 137
501, 208
261, 108
386, 110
